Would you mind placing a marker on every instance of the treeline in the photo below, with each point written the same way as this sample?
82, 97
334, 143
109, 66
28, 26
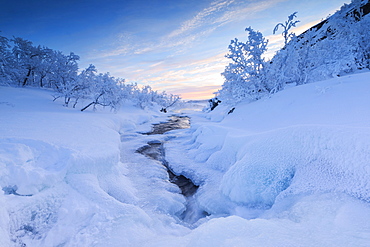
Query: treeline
337, 46
23, 64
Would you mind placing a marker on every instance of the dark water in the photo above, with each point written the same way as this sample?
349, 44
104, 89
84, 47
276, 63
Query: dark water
155, 150
174, 122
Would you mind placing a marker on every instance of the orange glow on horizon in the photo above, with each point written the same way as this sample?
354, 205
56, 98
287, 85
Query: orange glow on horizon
199, 95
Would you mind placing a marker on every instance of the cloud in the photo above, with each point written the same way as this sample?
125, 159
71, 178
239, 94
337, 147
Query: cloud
201, 18
163, 61
218, 14
181, 76
242, 10
189, 32
156, 64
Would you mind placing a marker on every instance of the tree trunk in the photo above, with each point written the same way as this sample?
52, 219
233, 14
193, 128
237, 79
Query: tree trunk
66, 100
41, 80
25, 79
88, 106
74, 105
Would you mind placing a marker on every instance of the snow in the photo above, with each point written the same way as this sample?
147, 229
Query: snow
310, 141
69, 180
289, 170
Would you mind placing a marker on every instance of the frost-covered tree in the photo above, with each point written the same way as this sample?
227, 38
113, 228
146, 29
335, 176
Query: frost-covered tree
26, 59
255, 46
45, 69
283, 69
286, 27
334, 47
145, 96
80, 87
244, 76
287, 57
64, 76
4, 57
105, 91
23, 64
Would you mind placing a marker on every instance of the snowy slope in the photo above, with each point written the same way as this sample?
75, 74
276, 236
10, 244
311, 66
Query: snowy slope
290, 170
297, 163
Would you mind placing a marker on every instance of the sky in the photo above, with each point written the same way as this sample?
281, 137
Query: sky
177, 46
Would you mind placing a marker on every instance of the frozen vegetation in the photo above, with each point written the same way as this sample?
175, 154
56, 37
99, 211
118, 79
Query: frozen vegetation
270, 167
336, 46
24, 64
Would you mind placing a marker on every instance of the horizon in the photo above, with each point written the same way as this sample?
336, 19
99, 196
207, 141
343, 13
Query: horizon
178, 48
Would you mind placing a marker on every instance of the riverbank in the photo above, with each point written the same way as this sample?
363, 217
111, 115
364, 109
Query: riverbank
290, 170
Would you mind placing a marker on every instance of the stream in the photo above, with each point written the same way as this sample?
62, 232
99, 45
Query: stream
155, 150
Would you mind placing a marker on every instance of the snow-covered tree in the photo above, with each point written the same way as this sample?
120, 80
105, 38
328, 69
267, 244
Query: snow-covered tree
23, 64
64, 76
334, 47
244, 76
255, 47
4, 56
105, 91
26, 59
286, 27
45, 69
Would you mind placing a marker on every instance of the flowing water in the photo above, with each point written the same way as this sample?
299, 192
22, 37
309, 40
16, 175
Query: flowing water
174, 122
155, 150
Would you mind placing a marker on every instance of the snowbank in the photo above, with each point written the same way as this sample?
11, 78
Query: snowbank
68, 177
299, 158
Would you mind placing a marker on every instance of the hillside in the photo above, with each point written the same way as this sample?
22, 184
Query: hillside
335, 47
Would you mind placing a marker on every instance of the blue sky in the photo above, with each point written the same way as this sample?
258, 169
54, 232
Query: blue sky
173, 45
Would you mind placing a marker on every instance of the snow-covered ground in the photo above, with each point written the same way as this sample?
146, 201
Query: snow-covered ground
295, 167
290, 170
